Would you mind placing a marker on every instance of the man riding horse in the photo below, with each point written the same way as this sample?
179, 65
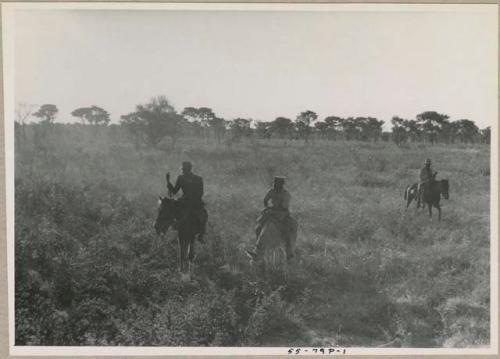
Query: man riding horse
192, 192
426, 176
278, 211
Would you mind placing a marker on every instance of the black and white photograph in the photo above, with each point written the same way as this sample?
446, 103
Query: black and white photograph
228, 179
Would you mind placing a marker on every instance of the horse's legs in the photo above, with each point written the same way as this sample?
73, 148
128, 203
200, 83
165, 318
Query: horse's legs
408, 202
191, 255
430, 209
439, 211
191, 250
183, 254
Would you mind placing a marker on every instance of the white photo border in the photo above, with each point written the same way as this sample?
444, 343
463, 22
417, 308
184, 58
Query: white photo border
8, 20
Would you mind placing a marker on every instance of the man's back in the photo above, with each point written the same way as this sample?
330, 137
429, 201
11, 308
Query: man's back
191, 185
425, 174
279, 199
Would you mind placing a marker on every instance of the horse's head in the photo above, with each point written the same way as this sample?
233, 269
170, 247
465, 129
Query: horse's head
444, 187
166, 215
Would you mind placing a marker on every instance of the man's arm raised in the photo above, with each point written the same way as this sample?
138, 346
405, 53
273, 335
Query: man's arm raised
267, 198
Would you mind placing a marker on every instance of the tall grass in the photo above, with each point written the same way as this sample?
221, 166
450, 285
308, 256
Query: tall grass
91, 271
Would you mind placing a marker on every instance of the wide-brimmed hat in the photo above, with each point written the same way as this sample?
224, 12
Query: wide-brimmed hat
279, 180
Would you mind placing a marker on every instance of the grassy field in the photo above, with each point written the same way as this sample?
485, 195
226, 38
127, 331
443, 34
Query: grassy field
91, 271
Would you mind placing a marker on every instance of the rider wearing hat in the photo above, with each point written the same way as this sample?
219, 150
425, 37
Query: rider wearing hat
425, 177
278, 195
192, 191
278, 207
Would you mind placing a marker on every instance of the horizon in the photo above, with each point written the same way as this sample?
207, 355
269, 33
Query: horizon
385, 125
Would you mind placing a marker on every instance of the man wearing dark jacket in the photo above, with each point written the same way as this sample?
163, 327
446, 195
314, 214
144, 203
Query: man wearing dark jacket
192, 193
424, 178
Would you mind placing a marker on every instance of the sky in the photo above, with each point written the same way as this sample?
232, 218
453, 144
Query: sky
261, 64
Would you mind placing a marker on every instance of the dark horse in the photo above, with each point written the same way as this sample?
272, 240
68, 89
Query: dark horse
431, 194
170, 212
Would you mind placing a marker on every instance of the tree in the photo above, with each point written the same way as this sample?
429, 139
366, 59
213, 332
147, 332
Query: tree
202, 115
98, 116
81, 113
263, 129
281, 126
432, 123
333, 126
350, 129
399, 134
23, 112
219, 127
322, 128
485, 135
368, 128
412, 129
240, 127
303, 123
47, 113
465, 130
94, 115
153, 121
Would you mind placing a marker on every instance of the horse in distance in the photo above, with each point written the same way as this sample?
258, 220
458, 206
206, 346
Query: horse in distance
431, 194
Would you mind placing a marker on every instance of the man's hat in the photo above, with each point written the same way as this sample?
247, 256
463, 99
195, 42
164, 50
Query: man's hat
428, 161
279, 179
187, 164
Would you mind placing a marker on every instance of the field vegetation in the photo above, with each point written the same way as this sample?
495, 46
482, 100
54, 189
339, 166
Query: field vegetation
90, 269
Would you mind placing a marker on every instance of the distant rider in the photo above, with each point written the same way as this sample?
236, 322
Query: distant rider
279, 209
426, 176
192, 193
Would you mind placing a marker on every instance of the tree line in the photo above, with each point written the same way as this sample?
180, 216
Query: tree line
157, 119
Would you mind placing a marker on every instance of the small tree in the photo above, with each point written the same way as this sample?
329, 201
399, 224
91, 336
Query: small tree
303, 123
219, 126
322, 128
202, 115
333, 126
399, 134
98, 116
263, 129
485, 134
282, 127
369, 128
153, 121
466, 130
94, 115
350, 129
431, 123
240, 127
80, 113
413, 130
47, 113
23, 112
